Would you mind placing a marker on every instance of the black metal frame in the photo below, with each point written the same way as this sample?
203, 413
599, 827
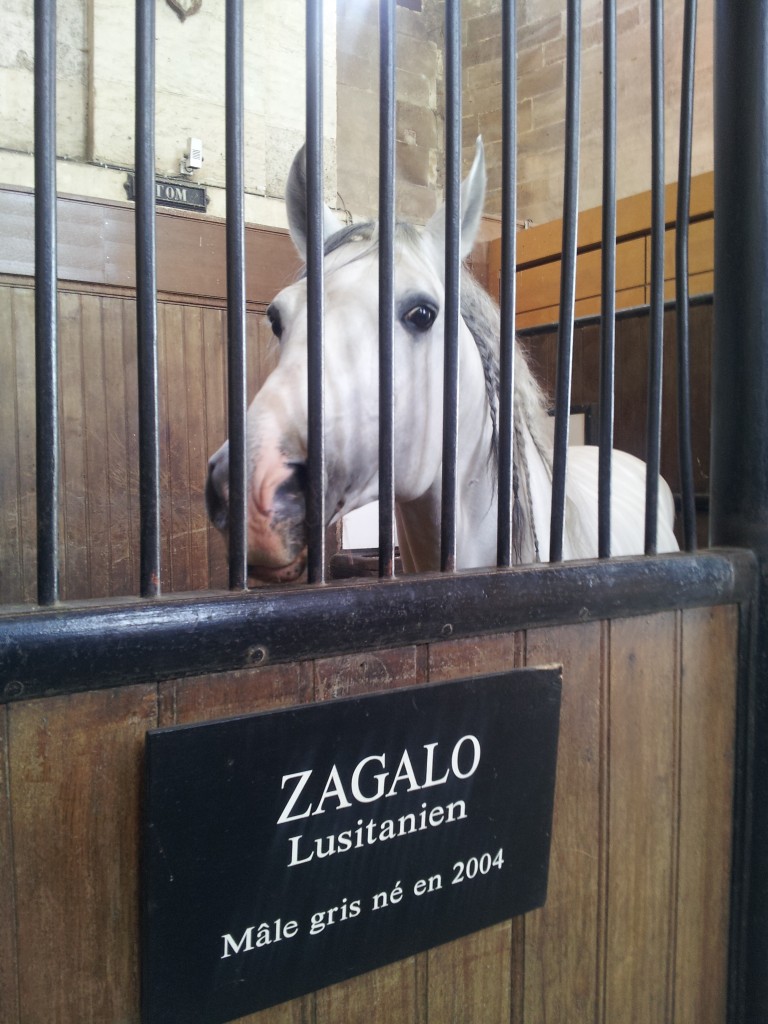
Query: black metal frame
92, 645
739, 462
63, 649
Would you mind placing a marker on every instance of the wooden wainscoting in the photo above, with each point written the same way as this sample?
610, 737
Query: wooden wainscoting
98, 525
635, 927
539, 254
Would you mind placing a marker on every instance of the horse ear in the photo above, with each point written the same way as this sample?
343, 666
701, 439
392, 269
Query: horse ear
296, 205
472, 200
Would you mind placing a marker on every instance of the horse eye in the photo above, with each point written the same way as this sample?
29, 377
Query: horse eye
273, 315
420, 318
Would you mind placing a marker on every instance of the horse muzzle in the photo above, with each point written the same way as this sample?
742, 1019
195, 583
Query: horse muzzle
277, 512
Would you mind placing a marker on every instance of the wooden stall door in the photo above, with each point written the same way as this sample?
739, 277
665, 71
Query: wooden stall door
635, 925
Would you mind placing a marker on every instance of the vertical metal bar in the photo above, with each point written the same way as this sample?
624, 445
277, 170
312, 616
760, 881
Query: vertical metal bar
568, 277
504, 552
739, 462
146, 302
315, 303
386, 285
656, 323
681, 280
236, 337
608, 286
452, 281
46, 325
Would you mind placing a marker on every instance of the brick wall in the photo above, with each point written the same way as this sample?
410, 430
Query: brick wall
541, 98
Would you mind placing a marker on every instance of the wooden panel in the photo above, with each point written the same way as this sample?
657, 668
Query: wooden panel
626, 298
540, 286
395, 992
75, 769
75, 577
643, 809
213, 344
9, 989
234, 693
471, 979
118, 325
706, 790
564, 940
633, 215
96, 246
99, 521
635, 925
701, 249
206, 698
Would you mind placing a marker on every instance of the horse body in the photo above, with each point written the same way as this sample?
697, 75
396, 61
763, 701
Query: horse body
277, 418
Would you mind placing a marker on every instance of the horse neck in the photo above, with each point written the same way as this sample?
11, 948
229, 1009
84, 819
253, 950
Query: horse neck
419, 521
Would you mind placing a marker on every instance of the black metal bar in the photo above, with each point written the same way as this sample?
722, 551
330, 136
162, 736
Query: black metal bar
46, 320
568, 277
146, 302
386, 286
95, 646
315, 303
505, 544
739, 461
452, 281
685, 447
236, 336
656, 339
608, 285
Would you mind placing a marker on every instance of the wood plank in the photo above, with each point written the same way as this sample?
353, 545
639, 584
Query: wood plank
369, 672
130, 382
627, 298
381, 997
210, 697
214, 334
24, 335
197, 456
394, 992
177, 428
10, 519
95, 401
710, 639
9, 988
236, 693
75, 784
96, 245
563, 940
701, 249
75, 568
120, 541
643, 808
633, 215
469, 980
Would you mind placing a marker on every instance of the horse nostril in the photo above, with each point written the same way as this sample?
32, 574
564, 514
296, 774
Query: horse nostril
216, 504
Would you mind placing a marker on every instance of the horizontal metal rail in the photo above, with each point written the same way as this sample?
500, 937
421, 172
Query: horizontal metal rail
94, 645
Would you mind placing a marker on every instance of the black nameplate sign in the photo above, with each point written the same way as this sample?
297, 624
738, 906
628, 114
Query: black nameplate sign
180, 194
290, 850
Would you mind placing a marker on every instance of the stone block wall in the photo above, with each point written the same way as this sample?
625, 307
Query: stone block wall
419, 115
541, 98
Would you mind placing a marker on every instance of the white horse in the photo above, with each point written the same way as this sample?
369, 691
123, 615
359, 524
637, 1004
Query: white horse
277, 418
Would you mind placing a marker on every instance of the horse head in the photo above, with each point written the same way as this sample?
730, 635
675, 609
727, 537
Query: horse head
276, 446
